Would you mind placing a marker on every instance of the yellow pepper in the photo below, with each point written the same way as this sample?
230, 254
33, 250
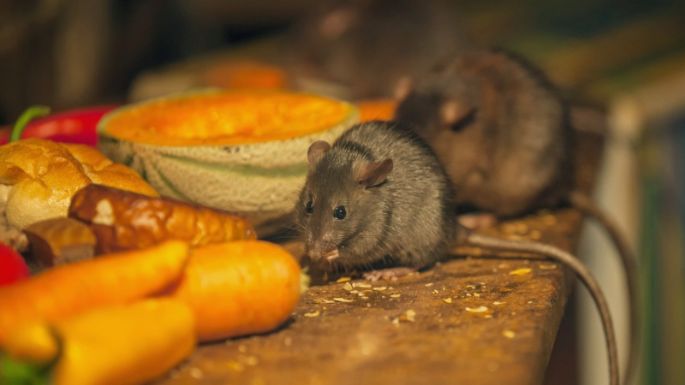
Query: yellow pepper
117, 345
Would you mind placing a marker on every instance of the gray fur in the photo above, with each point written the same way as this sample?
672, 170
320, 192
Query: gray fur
376, 42
513, 155
407, 220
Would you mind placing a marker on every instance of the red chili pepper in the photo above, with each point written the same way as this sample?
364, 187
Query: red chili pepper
74, 126
12, 266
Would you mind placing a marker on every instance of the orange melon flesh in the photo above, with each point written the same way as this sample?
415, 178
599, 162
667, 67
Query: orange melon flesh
376, 109
245, 74
225, 118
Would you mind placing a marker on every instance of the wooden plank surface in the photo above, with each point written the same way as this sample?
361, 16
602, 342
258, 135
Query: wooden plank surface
467, 320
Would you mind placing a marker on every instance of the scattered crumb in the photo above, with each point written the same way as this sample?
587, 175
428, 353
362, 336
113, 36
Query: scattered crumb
313, 314
477, 295
251, 360
380, 288
503, 266
338, 299
196, 373
235, 366
435, 291
410, 315
323, 300
447, 300
362, 285
521, 271
429, 284
479, 309
347, 286
487, 316
531, 301
547, 266
497, 303
367, 304
509, 333
343, 279
396, 295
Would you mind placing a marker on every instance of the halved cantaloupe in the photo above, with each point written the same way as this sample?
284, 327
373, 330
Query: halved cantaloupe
240, 151
376, 109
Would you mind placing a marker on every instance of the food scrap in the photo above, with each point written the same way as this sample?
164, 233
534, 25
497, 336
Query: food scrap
312, 314
509, 333
344, 300
521, 271
547, 266
479, 309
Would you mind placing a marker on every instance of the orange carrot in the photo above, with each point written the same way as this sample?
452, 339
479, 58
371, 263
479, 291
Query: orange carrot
239, 288
110, 279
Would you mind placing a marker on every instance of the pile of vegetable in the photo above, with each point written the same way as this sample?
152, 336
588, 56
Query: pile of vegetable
128, 282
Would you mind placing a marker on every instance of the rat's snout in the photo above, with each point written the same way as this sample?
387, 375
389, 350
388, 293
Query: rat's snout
327, 251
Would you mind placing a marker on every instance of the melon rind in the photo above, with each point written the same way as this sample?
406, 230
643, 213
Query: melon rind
260, 181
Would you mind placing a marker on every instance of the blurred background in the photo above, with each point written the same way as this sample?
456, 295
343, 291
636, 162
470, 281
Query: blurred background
625, 57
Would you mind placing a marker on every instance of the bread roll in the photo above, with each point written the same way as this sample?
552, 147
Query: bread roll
44, 175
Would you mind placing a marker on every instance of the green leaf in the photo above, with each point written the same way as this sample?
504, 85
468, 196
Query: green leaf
13, 372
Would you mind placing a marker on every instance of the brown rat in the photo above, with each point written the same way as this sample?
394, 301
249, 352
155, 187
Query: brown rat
490, 121
379, 196
503, 134
362, 46
363, 196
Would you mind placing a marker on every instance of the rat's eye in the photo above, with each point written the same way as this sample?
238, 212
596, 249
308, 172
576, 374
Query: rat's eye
339, 212
309, 207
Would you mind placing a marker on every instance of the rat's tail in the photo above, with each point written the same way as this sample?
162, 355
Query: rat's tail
585, 205
469, 238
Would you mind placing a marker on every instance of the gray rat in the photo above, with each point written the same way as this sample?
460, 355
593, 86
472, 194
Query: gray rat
490, 121
379, 196
365, 46
503, 134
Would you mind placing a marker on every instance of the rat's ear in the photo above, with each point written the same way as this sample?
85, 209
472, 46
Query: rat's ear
403, 87
316, 151
371, 174
337, 22
456, 115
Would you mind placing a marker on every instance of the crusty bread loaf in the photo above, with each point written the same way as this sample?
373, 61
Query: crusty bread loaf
44, 175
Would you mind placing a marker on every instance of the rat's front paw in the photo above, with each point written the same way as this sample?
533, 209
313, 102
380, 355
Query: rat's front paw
390, 274
477, 221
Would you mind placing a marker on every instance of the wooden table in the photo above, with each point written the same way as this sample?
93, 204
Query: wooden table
465, 321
